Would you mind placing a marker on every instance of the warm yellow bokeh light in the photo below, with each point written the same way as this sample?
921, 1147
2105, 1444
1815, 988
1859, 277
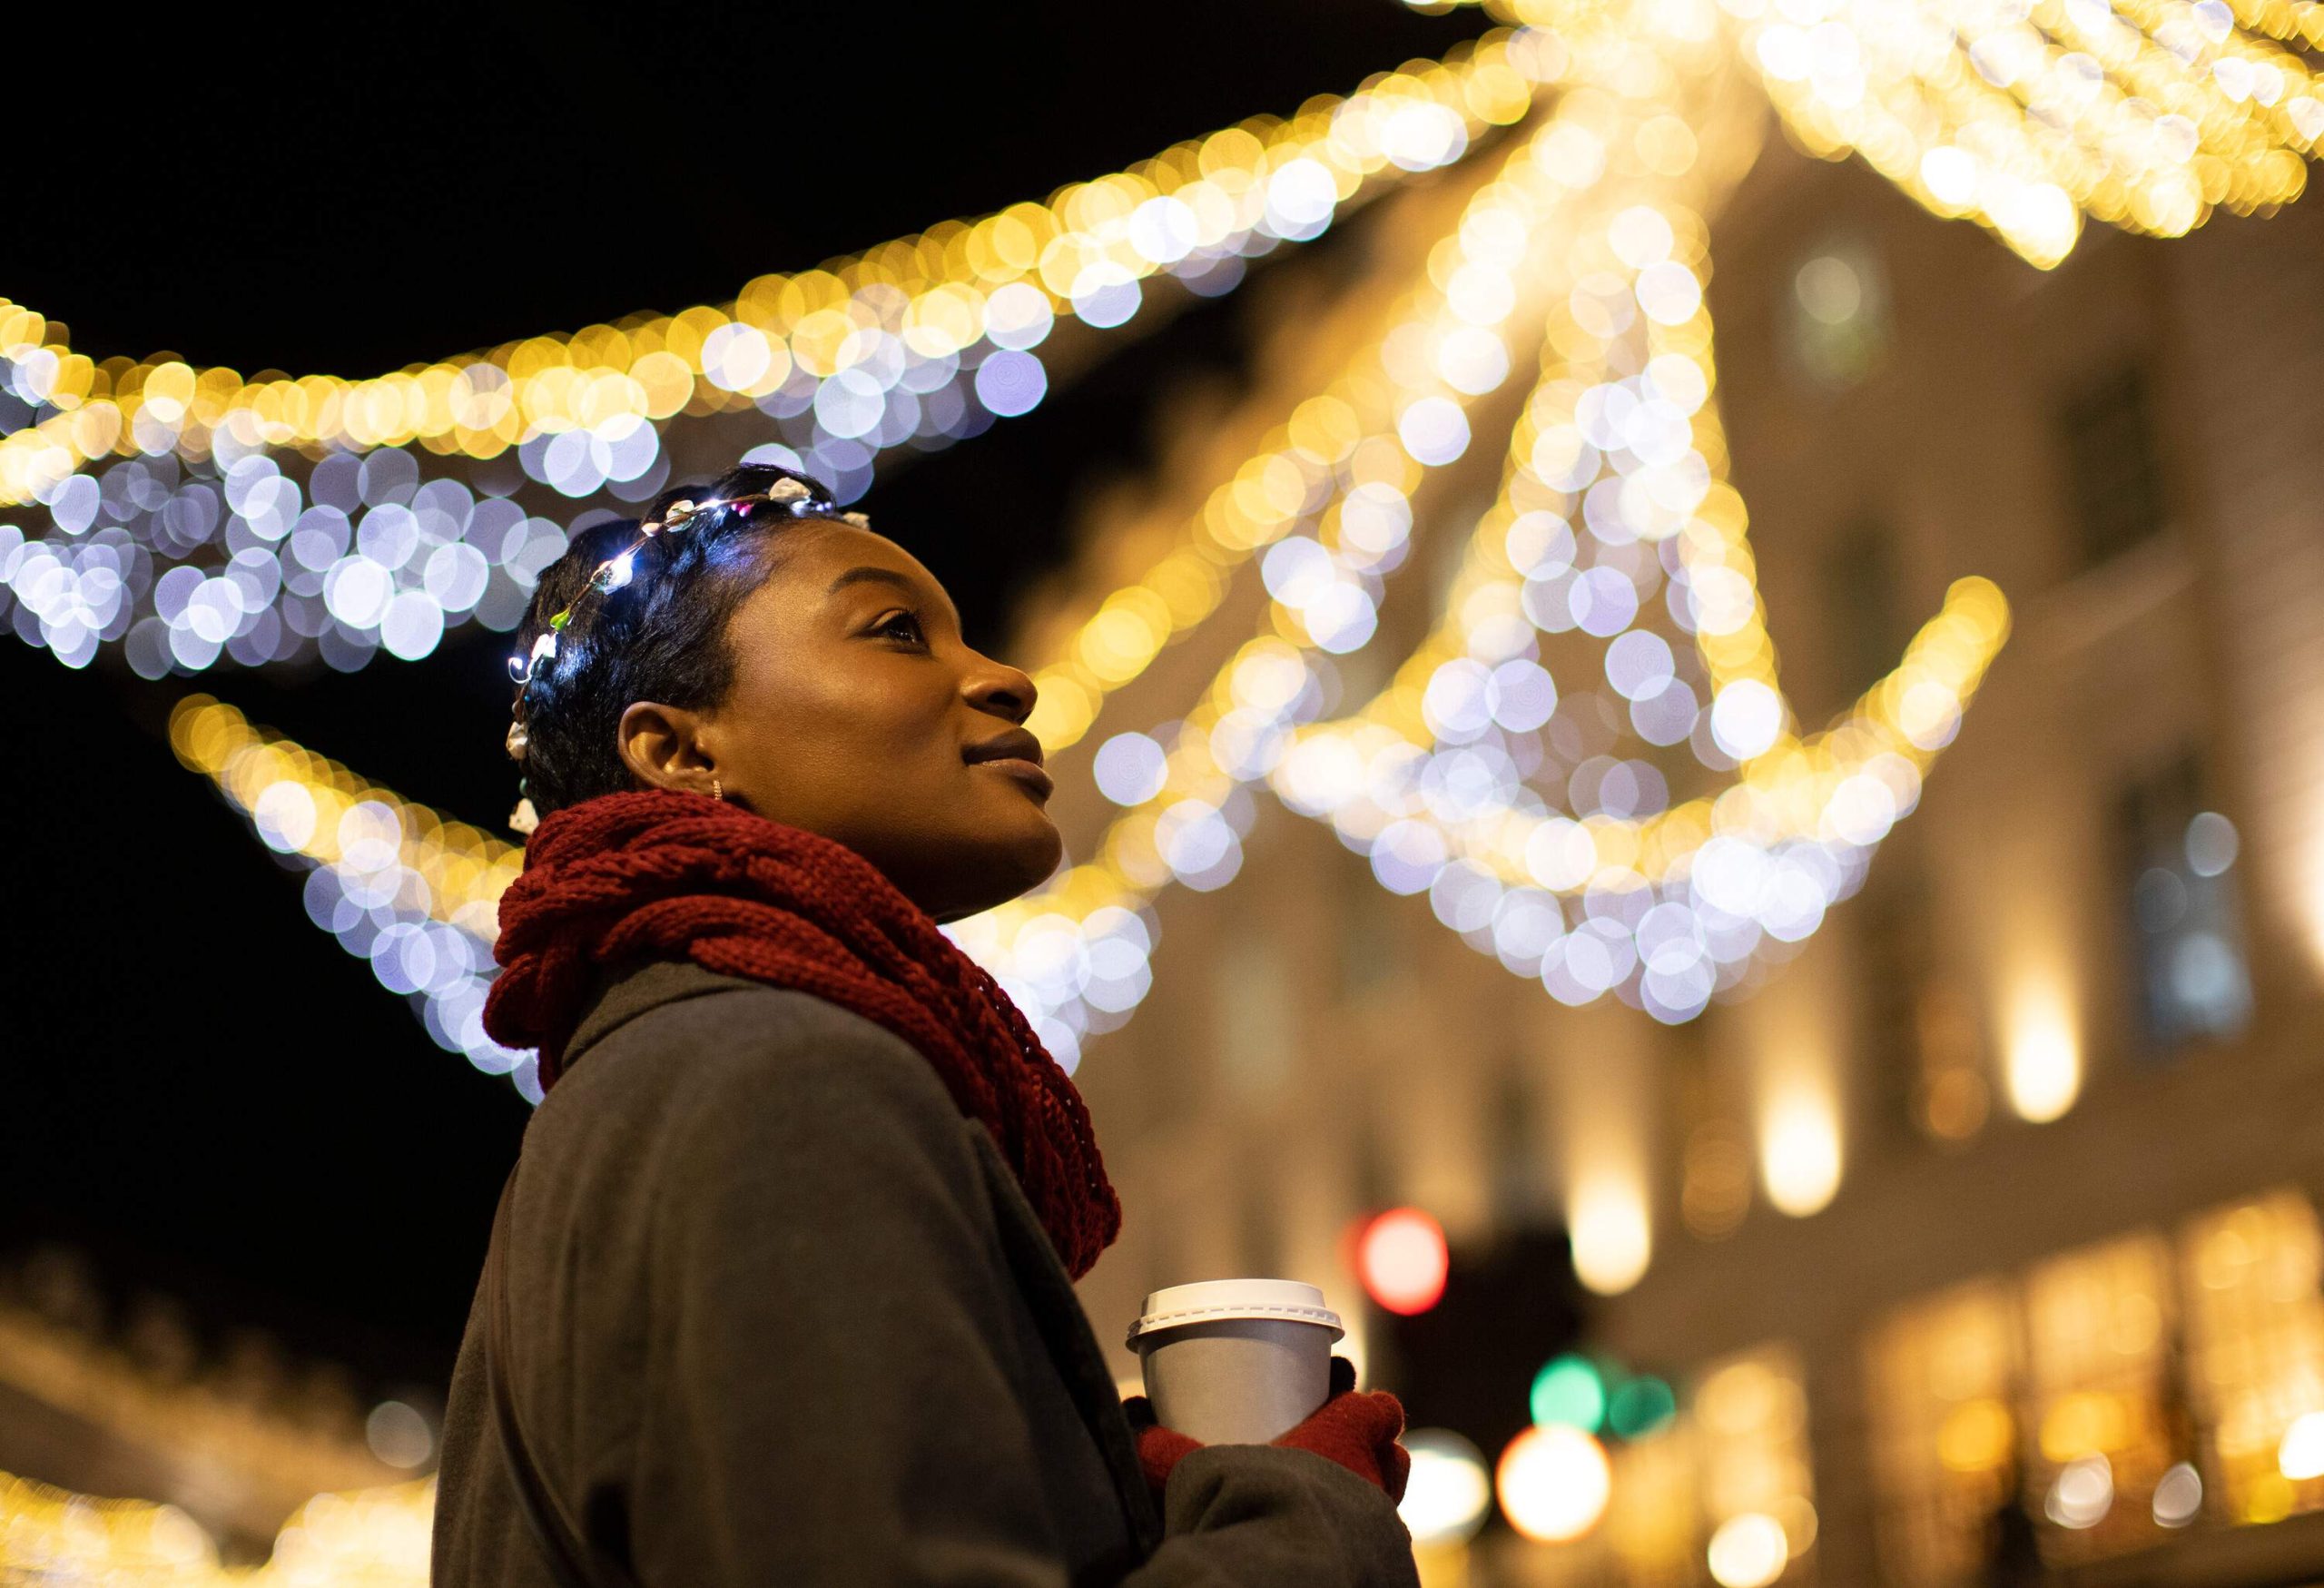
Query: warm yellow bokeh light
1554, 1484
1612, 1236
2041, 1053
1799, 1150
1748, 1551
2301, 1455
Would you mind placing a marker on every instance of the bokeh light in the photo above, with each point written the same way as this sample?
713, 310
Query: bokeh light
399, 1434
1570, 1392
1640, 1408
2177, 1496
2299, 1455
1554, 1484
2043, 1058
1799, 1155
1402, 1259
1748, 1551
1448, 1491
1612, 1240
2082, 1494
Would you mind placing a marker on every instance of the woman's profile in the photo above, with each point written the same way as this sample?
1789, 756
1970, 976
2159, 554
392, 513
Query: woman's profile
780, 1290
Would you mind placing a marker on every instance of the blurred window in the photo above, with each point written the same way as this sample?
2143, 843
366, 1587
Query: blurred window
1164, 1250
1520, 1188
1719, 1493
1653, 1526
2103, 1399
1366, 951
1863, 611
1715, 1191
2126, 1425
1259, 1234
2178, 862
1835, 315
1954, 1099
1750, 1444
1718, 1167
2255, 1341
1894, 947
1377, 1187
1941, 1374
2113, 468
1258, 1030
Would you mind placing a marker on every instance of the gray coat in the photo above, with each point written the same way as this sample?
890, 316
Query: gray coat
784, 1316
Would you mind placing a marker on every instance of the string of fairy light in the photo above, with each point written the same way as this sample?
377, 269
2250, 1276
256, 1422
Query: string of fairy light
938, 292
210, 537
413, 892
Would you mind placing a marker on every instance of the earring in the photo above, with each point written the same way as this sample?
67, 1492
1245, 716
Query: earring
717, 793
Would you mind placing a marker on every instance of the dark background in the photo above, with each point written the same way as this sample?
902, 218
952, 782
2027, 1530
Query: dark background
203, 1094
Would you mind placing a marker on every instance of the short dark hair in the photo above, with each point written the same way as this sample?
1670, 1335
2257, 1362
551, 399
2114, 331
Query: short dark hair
661, 636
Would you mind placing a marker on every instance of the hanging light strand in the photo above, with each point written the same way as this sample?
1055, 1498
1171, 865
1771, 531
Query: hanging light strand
945, 288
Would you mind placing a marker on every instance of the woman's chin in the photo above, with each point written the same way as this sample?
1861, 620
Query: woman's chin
1032, 861
1009, 871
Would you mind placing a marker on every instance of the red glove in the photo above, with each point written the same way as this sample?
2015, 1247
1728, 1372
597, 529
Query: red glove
1357, 1431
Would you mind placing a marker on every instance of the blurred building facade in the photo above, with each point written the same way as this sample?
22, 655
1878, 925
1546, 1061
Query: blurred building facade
1985, 1226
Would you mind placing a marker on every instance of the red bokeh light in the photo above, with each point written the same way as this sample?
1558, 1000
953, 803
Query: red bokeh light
1400, 1259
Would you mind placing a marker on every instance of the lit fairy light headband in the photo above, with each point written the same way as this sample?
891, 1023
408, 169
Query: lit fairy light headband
616, 571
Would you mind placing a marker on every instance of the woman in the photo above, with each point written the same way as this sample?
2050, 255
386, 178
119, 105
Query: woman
781, 1289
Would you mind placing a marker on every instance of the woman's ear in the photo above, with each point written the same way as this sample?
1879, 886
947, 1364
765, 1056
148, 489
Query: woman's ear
662, 746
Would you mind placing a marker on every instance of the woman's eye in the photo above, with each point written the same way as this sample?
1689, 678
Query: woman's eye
906, 618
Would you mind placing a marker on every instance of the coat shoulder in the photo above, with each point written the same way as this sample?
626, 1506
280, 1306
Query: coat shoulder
703, 1048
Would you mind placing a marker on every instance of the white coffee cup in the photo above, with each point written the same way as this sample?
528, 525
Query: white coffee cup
1236, 1361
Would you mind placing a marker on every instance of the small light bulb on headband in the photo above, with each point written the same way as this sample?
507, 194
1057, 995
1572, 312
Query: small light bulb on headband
521, 668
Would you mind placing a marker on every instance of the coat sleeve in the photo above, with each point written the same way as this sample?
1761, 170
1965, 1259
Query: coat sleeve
829, 1399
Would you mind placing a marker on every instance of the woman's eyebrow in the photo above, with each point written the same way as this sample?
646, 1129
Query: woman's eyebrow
857, 575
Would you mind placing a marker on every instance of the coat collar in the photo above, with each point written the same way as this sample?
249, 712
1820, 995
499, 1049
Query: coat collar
625, 992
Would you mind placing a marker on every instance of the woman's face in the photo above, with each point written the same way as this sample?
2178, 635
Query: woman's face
855, 711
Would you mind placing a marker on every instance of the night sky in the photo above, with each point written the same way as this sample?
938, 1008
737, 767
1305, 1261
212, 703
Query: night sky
204, 1094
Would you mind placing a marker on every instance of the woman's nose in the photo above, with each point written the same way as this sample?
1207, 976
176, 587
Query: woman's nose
1003, 690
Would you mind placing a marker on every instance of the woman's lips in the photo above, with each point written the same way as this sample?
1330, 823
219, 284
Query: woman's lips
1028, 773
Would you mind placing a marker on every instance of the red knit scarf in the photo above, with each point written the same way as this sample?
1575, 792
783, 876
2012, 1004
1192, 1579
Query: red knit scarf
658, 875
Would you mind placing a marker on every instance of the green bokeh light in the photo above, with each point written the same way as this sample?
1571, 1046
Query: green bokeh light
1641, 1406
1570, 1392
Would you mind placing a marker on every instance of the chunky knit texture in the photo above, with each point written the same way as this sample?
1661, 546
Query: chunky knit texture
661, 875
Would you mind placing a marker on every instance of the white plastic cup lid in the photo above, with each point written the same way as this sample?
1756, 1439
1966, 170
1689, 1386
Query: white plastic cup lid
1217, 1300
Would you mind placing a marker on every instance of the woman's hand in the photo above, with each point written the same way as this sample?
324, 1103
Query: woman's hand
1357, 1431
